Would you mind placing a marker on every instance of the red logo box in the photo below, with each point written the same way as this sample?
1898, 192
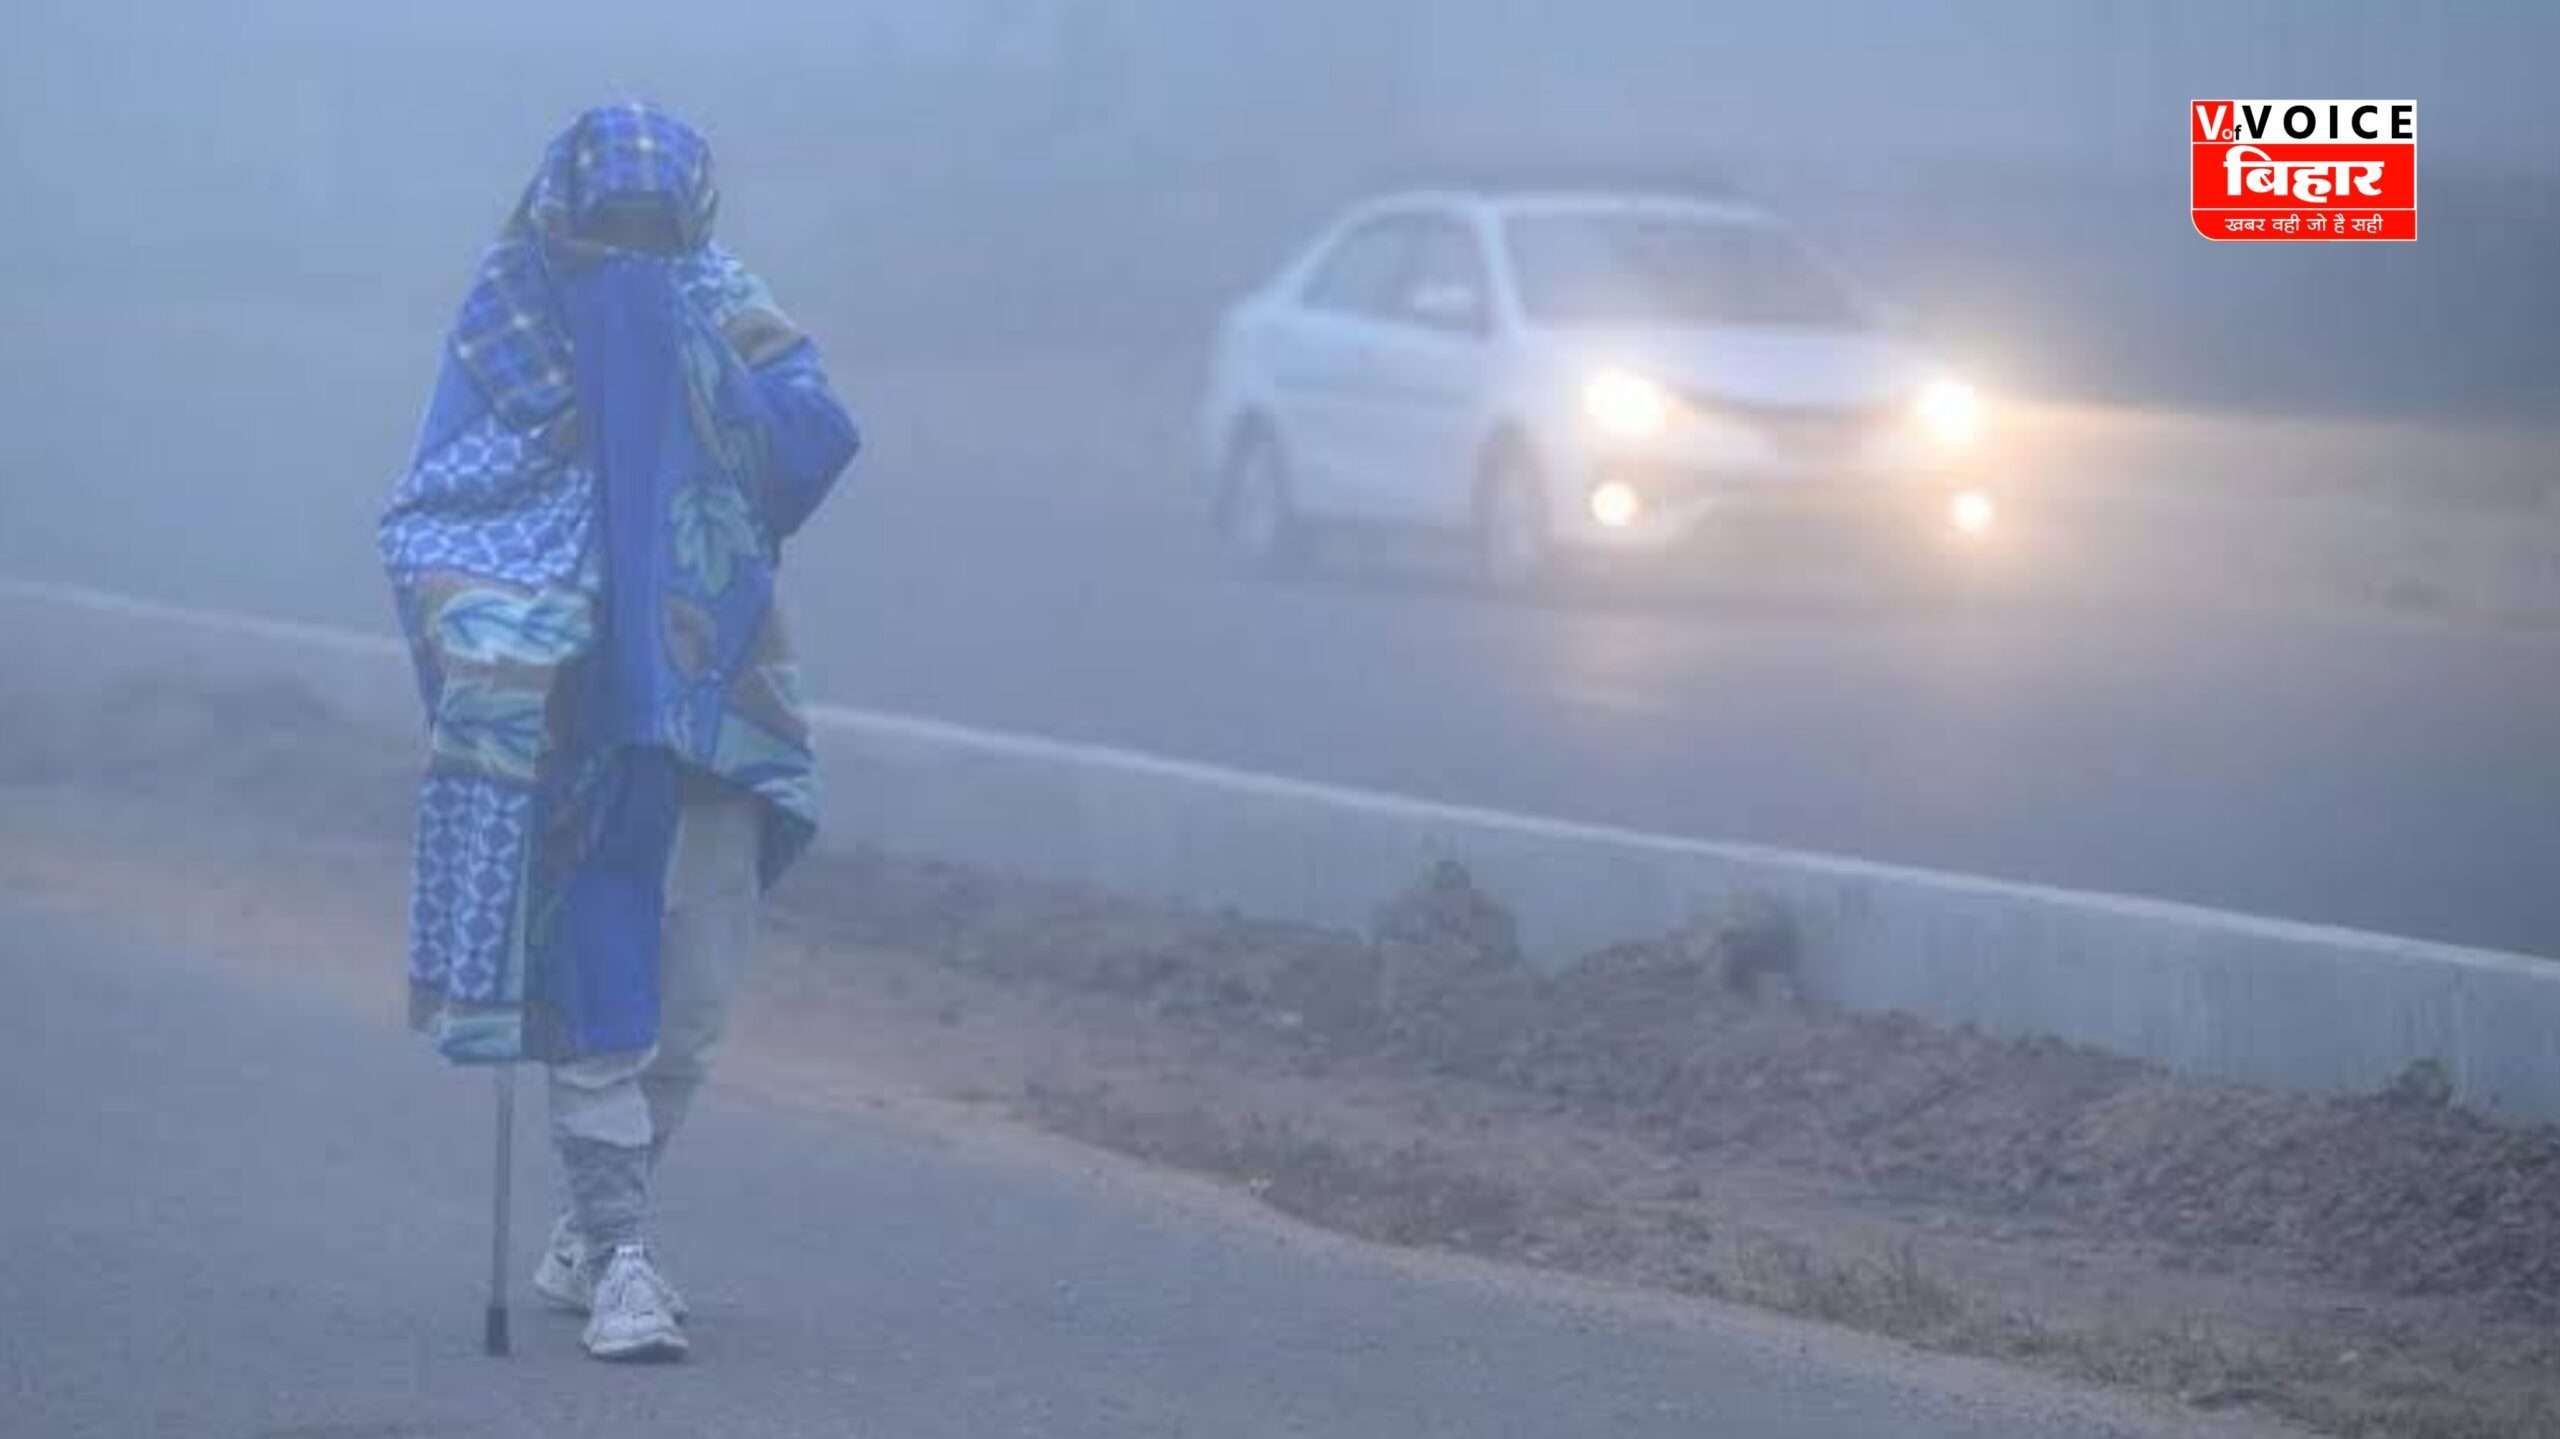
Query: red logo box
2303, 169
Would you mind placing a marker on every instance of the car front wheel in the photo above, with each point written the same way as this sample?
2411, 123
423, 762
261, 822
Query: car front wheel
1257, 517
1514, 546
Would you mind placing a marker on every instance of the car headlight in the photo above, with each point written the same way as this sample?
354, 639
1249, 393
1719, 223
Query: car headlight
1626, 405
1972, 513
1616, 504
1950, 410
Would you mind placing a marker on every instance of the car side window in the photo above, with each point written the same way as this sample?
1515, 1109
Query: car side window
1364, 272
1445, 286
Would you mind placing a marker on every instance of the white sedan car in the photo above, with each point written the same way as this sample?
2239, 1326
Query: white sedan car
1551, 374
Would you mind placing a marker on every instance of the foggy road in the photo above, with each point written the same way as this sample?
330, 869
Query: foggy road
2283, 636
247, 1207
1010, 228
2345, 768
2360, 770
1051, 573
2366, 772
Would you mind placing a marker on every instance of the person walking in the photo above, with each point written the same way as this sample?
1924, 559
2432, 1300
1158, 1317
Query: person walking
582, 555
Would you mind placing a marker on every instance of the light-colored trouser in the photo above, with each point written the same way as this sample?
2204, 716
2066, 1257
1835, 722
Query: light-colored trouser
637, 1099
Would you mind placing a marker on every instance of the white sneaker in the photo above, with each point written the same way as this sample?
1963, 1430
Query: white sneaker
566, 1277
630, 1318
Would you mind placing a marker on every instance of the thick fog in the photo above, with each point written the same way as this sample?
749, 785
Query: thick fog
238, 232
943, 170
1918, 724
240, 228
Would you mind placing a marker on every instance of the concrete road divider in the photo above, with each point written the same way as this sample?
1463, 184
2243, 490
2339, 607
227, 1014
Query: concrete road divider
2202, 991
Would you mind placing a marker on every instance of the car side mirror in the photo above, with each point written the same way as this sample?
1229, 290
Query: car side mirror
1445, 305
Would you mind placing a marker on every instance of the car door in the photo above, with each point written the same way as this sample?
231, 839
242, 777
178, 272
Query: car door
1325, 353
1429, 365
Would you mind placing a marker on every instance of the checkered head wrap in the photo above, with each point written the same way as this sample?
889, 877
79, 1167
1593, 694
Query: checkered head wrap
623, 177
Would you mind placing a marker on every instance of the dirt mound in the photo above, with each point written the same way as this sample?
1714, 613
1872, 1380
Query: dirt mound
1412, 1195
1453, 991
2372, 1190
1699, 1038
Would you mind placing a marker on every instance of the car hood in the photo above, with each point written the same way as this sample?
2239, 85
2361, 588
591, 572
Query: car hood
1762, 367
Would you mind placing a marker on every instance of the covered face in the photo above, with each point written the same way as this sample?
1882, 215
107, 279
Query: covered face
623, 178
630, 177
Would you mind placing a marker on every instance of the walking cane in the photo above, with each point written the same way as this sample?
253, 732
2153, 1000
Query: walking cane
493, 1336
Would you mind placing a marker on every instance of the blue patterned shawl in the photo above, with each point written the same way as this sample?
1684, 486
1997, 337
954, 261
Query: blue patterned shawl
582, 555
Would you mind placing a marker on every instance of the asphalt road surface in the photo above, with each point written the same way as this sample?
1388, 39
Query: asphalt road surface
2366, 771
239, 1205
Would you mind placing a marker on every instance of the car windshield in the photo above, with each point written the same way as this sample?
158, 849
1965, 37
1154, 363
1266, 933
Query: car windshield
1625, 267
